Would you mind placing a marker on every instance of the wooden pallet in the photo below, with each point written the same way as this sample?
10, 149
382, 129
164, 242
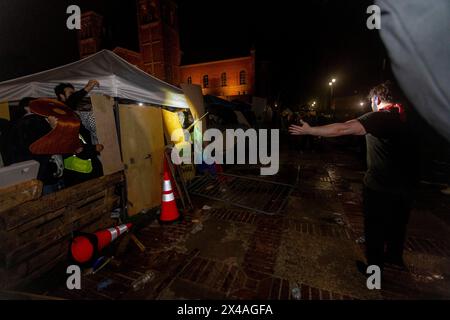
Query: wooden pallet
35, 232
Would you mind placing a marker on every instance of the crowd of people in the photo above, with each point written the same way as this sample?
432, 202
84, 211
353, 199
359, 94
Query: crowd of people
56, 171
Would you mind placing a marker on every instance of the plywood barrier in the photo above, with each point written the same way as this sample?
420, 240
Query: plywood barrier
35, 233
142, 139
103, 108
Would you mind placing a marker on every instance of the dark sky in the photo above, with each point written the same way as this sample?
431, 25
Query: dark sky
306, 42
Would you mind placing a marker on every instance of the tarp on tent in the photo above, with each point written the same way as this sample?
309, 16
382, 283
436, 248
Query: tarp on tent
117, 78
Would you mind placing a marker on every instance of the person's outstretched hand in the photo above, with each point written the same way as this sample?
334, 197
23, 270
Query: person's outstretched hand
91, 84
304, 129
53, 121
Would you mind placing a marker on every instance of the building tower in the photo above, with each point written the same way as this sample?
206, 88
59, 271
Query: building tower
159, 39
90, 35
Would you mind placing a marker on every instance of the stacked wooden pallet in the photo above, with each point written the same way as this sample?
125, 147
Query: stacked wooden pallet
35, 231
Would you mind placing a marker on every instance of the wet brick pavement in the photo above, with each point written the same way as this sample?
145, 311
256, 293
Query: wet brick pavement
239, 254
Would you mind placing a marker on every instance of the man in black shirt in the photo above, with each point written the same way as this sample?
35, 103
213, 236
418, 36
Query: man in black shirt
89, 150
65, 92
390, 173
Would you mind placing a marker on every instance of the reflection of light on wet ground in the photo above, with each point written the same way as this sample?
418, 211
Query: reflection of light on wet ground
427, 278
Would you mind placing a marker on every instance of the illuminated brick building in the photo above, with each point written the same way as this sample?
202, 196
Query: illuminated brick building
91, 34
157, 52
159, 44
229, 79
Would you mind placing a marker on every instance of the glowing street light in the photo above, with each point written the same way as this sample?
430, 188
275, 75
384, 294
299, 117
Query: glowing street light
331, 83
361, 104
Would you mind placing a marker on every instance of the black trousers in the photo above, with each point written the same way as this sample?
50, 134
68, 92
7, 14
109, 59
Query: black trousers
386, 216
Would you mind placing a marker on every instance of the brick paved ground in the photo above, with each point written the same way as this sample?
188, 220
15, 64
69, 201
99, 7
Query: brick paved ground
240, 254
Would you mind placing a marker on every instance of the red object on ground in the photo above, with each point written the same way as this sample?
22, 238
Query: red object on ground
82, 248
169, 210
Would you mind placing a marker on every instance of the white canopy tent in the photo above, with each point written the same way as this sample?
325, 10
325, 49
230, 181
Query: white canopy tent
117, 78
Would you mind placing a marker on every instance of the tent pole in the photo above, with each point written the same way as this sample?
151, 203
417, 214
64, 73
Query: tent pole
123, 190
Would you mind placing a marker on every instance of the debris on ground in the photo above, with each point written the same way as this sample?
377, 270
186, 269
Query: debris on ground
104, 284
206, 207
339, 221
360, 240
197, 228
115, 214
140, 282
296, 292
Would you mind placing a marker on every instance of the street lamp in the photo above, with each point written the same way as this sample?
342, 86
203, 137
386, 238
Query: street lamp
331, 83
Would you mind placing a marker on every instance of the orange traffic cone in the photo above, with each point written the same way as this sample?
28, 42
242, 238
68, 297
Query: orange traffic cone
169, 210
172, 181
86, 247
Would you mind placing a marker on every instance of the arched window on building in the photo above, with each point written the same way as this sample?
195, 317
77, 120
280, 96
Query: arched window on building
148, 12
189, 80
223, 79
205, 81
242, 77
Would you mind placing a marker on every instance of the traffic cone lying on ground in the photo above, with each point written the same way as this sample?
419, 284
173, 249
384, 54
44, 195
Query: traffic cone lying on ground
169, 210
86, 247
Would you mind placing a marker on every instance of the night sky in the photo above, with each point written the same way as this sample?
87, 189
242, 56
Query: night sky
304, 42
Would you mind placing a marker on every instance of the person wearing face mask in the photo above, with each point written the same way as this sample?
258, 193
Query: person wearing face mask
390, 176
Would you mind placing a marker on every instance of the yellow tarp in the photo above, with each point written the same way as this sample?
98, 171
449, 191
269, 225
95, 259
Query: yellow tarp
4, 110
172, 127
